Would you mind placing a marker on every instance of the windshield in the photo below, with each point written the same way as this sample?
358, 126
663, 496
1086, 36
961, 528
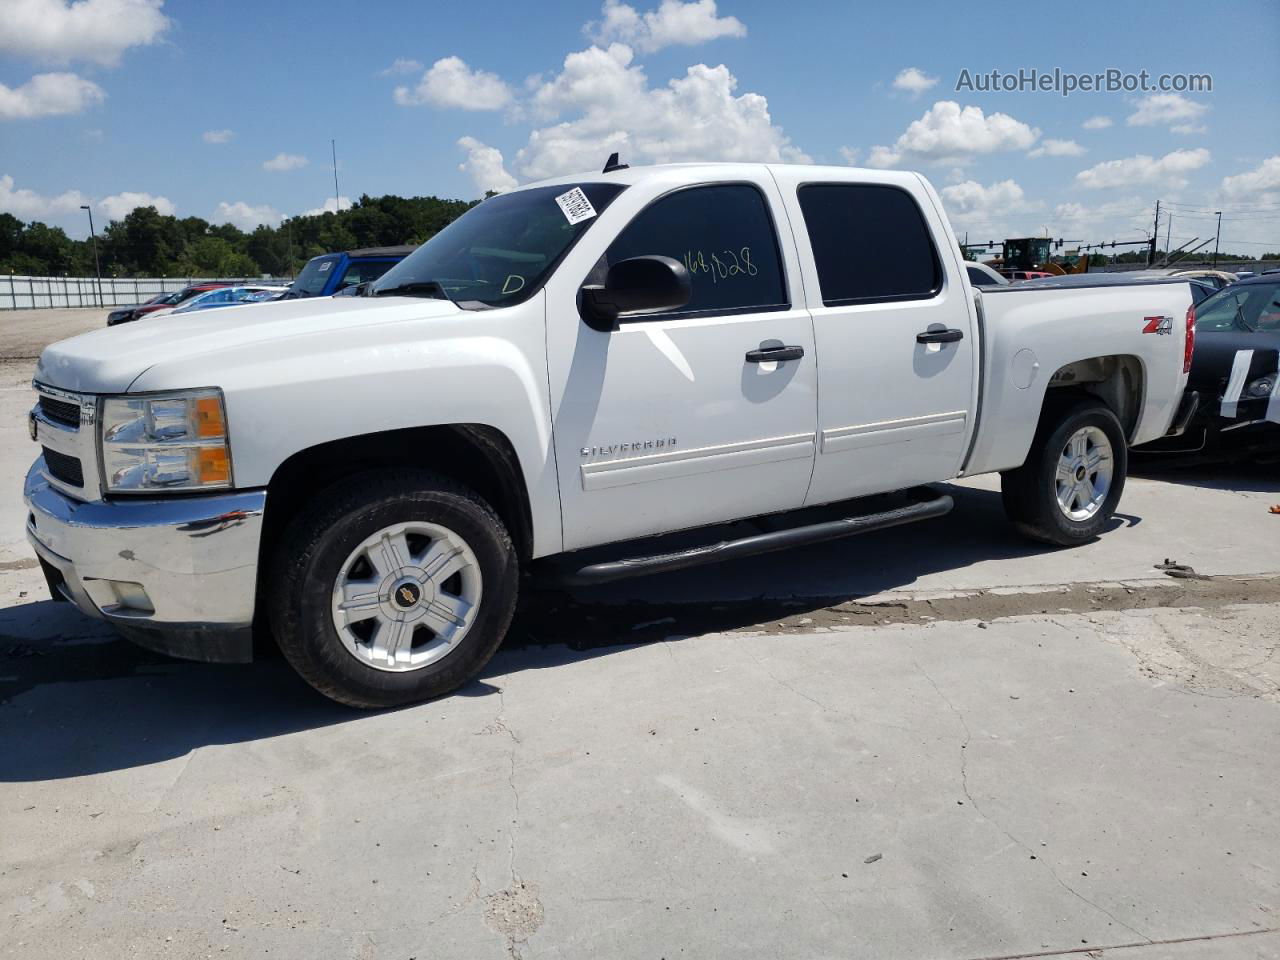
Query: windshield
1246, 306
314, 276
501, 250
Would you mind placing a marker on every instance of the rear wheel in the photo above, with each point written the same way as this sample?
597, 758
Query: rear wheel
396, 586
1068, 490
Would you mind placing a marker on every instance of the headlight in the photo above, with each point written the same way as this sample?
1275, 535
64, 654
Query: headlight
175, 441
1261, 387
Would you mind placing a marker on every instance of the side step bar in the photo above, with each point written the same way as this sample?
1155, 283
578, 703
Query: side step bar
758, 543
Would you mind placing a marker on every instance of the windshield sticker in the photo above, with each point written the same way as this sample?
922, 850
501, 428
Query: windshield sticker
324, 267
575, 206
513, 284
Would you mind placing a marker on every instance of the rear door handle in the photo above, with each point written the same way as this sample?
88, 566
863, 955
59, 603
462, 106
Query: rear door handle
940, 336
767, 354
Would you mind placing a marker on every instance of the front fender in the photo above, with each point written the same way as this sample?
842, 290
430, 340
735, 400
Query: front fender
477, 367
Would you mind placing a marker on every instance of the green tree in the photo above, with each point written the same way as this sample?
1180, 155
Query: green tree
148, 243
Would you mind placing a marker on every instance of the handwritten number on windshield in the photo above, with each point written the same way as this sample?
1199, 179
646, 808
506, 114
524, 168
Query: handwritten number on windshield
722, 265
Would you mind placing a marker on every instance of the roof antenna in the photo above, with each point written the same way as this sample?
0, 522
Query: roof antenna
612, 164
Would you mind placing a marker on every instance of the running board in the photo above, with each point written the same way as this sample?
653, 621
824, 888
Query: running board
758, 543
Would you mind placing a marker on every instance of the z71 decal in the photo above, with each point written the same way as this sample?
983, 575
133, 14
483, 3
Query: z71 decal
1159, 325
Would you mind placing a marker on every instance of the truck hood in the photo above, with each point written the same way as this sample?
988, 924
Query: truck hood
110, 359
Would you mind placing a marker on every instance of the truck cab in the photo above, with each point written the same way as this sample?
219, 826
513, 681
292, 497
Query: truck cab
331, 273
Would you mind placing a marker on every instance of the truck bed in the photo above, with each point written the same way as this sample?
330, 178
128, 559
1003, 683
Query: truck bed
1034, 330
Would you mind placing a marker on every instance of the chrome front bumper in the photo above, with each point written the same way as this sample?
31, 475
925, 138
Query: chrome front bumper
177, 575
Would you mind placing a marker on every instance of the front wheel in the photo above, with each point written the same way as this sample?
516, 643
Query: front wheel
1068, 490
393, 587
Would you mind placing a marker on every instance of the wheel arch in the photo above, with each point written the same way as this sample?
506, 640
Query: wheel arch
1118, 380
477, 455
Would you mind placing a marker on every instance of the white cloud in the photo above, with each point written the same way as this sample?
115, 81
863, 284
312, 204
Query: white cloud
697, 116
971, 201
948, 133
672, 24
285, 161
246, 216
118, 206
913, 81
484, 165
451, 83
96, 30
592, 79
29, 205
330, 206
1188, 128
217, 136
1057, 148
1097, 123
850, 155
401, 66
1125, 218
1169, 170
1265, 176
1171, 109
49, 95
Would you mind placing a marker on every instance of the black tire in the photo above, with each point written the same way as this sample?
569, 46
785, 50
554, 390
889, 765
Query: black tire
1030, 492
316, 545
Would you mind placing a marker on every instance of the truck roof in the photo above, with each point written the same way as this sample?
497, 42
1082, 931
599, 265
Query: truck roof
693, 172
401, 251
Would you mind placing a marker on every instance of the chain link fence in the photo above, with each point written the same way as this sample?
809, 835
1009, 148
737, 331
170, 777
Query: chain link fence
34, 293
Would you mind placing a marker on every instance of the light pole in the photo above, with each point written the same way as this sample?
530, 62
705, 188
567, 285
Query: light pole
97, 267
1216, 235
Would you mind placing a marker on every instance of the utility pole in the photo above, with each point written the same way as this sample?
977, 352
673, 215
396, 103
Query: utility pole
1155, 235
97, 267
1168, 238
337, 203
1216, 235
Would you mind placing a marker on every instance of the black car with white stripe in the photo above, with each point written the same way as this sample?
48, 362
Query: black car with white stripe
1233, 395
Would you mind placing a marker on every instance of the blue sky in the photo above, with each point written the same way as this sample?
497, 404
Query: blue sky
118, 102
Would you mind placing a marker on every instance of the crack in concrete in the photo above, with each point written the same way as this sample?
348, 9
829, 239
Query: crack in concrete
787, 686
471, 896
516, 912
964, 785
1098, 951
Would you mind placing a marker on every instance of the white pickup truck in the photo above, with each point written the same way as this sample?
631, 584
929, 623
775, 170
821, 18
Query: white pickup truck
566, 370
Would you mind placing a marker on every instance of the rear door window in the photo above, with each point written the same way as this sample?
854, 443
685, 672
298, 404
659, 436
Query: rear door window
724, 236
362, 271
870, 243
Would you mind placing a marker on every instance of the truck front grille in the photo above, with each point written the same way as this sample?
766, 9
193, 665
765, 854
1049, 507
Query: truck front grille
64, 468
61, 411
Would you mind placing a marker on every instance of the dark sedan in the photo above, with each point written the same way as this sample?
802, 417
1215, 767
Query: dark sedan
125, 314
1235, 373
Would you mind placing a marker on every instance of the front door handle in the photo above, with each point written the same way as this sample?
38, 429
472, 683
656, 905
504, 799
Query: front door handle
767, 354
940, 336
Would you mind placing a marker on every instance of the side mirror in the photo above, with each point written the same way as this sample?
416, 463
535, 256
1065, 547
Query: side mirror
640, 285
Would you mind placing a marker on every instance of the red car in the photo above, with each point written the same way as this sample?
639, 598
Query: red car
125, 314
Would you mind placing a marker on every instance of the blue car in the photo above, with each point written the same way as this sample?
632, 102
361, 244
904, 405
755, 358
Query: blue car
231, 297
331, 273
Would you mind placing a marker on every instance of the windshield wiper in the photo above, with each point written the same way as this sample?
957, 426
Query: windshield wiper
413, 288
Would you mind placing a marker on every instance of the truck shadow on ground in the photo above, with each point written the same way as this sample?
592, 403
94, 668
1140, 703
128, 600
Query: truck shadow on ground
1242, 477
75, 699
